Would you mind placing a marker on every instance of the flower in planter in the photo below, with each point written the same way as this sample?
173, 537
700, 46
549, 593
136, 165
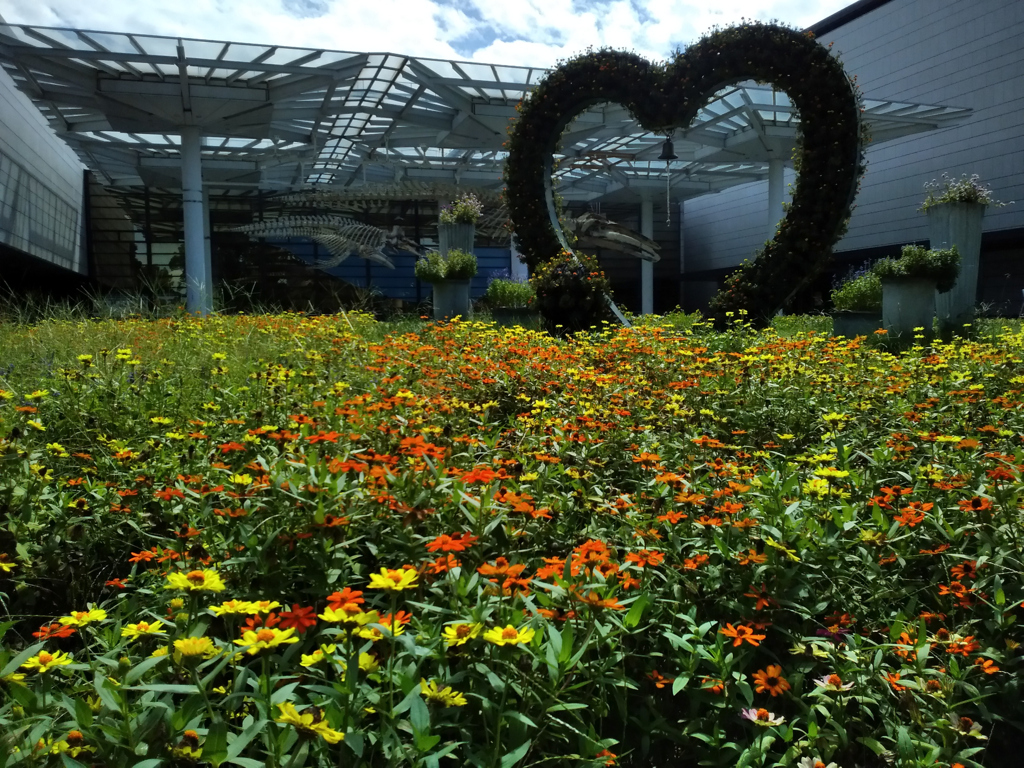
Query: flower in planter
435, 268
510, 294
465, 210
963, 190
860, 291
942, 266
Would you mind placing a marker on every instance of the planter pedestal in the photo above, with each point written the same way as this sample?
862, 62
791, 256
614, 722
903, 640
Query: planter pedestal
457, 236
908, 303
853, 323
451, 298
957, 224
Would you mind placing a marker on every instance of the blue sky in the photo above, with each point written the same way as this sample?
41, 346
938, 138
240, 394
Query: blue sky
521, 32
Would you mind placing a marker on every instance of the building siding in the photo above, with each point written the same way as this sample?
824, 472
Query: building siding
41, 184
950, 52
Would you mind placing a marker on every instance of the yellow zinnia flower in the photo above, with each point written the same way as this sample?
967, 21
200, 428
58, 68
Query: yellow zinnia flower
346, 617
135, 631
321, 653
393, 580
195, 581
234, 606
195, 646
81, 618
44, 661
460, 634
255, 641
310, 722
509, 635
265, 606
444, 696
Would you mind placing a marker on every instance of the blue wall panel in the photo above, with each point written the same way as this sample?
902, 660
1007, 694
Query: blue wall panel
400, 282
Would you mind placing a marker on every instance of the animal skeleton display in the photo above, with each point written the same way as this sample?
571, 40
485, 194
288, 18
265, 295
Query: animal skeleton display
340, 235
343, 236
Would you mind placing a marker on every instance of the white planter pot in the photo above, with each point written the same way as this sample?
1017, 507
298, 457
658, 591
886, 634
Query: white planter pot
457, 236
908, 303
957, 224
451, 298
853, 323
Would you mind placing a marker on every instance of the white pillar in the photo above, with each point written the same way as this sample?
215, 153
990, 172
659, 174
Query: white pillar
198, 280
647, 267
520, 272
776, 194
207, 249
682, 253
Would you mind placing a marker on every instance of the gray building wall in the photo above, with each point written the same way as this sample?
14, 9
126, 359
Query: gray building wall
963, 53
41, 184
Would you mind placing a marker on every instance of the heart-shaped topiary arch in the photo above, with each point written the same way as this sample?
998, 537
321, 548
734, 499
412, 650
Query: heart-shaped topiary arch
830, 159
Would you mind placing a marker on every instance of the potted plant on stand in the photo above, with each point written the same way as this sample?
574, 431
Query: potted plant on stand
456, 226
512, 302
955, 208
909, 286
857, 303
449, 277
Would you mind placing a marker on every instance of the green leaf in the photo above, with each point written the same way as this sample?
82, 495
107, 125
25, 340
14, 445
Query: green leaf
567, 707
83, 713
71, 762
21, 658
419, 716
636, 612
871, 744
354, 740
215, 747
153, 762
517, 754
102, 687
241, 741
164, 688
142, 668
679, 683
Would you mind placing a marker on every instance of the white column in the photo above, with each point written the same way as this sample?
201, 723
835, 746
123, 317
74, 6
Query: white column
647, 267
520, 272
198, 282
682, 253
776, 194
207, 249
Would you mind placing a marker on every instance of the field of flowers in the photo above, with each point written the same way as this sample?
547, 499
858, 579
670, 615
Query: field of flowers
283, 540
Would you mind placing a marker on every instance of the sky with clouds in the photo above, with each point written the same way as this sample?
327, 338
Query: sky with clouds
519, 32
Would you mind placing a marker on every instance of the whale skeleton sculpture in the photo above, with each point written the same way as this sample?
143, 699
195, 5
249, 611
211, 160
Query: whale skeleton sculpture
340, 235
343, 236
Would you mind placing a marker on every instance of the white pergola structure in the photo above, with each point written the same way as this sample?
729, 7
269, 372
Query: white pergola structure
144, 110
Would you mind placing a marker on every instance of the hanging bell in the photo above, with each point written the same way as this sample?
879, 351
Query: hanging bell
667, 151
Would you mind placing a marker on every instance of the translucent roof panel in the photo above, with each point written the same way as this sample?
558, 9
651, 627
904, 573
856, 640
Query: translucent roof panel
313, 116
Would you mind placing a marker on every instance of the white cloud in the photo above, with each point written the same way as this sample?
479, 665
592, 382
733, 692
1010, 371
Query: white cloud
518, 32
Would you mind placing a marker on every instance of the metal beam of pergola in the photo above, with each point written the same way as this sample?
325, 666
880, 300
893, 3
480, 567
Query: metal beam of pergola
147, 111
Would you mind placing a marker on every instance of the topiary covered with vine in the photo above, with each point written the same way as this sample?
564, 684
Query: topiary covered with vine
572, 293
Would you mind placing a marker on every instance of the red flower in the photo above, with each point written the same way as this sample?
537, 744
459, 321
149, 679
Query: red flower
52, 631
169, 493
298, 617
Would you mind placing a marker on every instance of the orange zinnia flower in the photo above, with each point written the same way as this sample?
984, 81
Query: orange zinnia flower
764, 600
770, 680
458, 542
645, 557
741, 633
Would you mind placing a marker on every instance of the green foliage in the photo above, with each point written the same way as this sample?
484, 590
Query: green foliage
942, 266
510, 294
433, 268
572, 293
662, 97
860, 294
